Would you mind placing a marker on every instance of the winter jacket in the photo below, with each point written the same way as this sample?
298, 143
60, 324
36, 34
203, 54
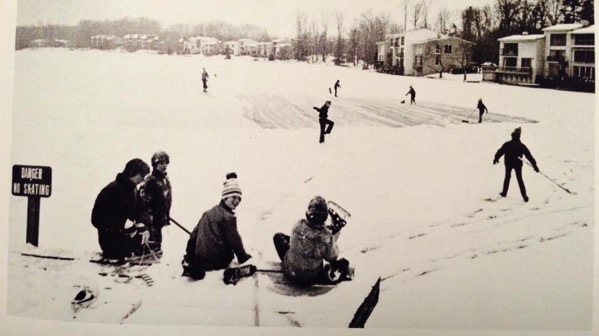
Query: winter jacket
309, 246
116, 203
513, 151
215, 239
156, 194
481, 107
337, 85
412, 93
204, 75
323, 112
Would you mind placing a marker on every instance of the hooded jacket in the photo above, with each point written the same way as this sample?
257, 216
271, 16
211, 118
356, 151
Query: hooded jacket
323, 112
215, 239
310, 245
116, 203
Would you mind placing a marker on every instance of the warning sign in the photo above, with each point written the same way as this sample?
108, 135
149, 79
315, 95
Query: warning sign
32, 181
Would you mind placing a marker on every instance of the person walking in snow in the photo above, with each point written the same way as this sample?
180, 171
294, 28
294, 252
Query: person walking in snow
205, 79
309, 254
481, 110
116, 214
156, 194
326, 125
513, 151
337, 86
215, 240
412, 94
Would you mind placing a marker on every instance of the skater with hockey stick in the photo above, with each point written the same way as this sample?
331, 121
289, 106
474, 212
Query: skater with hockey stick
215, 240
481, 110
513, 151
412, 94
326, 125
205, 79
337, 86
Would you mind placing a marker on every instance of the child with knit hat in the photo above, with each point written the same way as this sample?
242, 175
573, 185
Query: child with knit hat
215, 240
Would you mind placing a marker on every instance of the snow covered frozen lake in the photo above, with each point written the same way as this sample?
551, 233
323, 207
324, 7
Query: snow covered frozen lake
414, 177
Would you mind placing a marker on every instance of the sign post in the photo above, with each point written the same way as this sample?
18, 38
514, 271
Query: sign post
34, 182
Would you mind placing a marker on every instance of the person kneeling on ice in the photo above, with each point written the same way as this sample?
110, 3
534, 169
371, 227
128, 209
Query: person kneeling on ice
309, 255
215, 240
116, 214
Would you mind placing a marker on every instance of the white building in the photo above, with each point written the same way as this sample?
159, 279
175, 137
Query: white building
234, 47
521, 58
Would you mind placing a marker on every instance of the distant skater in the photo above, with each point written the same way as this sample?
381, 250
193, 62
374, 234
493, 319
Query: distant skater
481, 110
513, 151
205, 79
412, 94
326, 125
337, 86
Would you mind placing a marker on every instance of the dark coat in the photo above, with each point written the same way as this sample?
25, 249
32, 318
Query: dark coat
215, 239
481, 107
156, 193
323, 112
412, 93
116, 203
309, 247
513, 151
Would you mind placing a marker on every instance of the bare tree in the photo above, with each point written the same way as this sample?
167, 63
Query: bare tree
507, 11
555, 14
443, 21
417, 13
339, 47
425, 9
324, 20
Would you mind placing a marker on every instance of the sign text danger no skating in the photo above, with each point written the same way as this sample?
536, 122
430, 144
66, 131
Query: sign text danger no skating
32, 181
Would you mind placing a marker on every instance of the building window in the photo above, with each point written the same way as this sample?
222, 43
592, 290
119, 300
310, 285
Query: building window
448, 48
526, 63
510, 49
556, 55
402, 40
438, 60
584, 39
584, 72
557, 40
437, 49
510, 62
584, 56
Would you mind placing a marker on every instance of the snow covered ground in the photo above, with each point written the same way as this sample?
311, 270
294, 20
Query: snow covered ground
415, 179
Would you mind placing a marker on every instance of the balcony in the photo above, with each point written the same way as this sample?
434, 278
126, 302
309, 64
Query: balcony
555, 58
518, 70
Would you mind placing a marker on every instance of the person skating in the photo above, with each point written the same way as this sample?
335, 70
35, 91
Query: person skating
513, 151
205, 79
337, 86
156, 193
412, 94
116, 213
311, 252
326, 125
215, 240
481, 110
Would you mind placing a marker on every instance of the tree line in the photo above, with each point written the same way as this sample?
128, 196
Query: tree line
480, 25
80, 34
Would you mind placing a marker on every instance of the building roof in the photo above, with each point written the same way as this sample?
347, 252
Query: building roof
421, 35
443, 37
564, 27
587, 30
522, 38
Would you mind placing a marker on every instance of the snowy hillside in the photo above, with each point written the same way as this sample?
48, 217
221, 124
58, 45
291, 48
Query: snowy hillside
414, 177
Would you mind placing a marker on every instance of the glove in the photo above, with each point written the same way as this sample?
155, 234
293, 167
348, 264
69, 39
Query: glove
495, 161
536, 168
142, 230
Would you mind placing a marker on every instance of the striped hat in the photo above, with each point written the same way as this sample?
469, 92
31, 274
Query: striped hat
231, 187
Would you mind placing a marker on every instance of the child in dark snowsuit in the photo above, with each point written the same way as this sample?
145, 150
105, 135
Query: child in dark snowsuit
337, 86
513, 151
326, 125
481, 110
412, 94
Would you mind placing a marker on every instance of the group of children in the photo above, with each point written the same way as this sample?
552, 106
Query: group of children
130, 212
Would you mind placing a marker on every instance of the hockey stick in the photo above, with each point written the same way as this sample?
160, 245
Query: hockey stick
179, 225
466, 120
550, 179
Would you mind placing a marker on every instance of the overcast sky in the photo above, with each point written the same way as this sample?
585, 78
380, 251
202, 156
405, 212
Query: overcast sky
277, 16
